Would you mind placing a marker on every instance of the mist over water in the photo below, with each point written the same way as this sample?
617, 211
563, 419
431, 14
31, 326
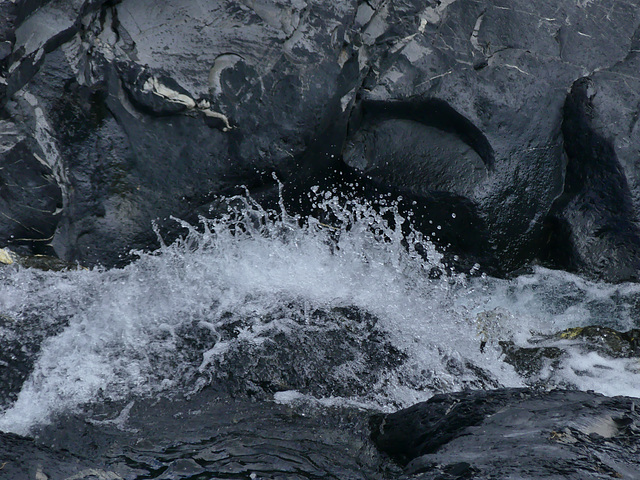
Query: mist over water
207, 307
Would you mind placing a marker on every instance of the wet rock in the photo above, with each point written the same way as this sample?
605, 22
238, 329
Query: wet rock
550, 350
30, 197
148, 130
457, 101
212, 437
24, 459
594, 223
322, 353
40, 262
515, 433
494, 69
21, 340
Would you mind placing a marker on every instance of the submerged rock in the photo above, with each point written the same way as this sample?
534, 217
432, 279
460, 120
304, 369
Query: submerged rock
514, 433
549, 351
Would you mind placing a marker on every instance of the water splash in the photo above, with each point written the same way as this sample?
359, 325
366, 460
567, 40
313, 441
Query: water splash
342, 306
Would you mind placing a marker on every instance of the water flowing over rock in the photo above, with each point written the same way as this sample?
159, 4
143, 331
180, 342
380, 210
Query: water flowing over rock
299, 216
132, 111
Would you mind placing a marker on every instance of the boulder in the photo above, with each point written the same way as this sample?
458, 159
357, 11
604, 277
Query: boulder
206, 436
595, 222
468, 97
514, 433
148, 128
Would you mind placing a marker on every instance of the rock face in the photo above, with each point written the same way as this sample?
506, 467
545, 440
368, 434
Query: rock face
203, 437
123, 113
514, 433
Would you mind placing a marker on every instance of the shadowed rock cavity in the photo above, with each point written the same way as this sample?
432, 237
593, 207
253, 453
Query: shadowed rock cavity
594, 223
433, 158
424, 146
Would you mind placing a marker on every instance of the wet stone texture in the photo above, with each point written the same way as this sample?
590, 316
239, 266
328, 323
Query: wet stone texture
127, 112
508, 433
203, 437
549, 350
514, 433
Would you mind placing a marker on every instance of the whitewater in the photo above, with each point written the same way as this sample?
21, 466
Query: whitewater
356, 284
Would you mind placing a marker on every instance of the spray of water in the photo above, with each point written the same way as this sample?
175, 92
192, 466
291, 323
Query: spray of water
253, 285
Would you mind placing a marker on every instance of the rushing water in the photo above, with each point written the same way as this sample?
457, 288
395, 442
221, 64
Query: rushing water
299, 310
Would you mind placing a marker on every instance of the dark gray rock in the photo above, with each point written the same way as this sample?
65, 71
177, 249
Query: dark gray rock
205, 436
148, 129
23, 459
511, 433
30, 195
514, 433
595, 221
154, 109
504, 68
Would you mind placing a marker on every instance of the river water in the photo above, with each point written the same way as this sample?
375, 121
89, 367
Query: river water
343, 311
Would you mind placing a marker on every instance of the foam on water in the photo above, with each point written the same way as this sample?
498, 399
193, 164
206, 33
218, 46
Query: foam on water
117, 332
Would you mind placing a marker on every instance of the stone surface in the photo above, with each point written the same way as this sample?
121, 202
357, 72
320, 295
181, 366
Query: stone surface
204, 436
514, 433
144, 110
509, 433
30, 196
595, 220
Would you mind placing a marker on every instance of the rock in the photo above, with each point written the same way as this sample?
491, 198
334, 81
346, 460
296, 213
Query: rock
477, 78
30, 197
21, 340
149, 130
217, 437
23, 459
41, 262
594, 223
551, 350
34, 28
452, 103
514, 433
323, 353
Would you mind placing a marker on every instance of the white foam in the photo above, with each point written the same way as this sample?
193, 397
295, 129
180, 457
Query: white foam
120, 340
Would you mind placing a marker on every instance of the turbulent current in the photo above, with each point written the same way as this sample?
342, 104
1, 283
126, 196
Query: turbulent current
350, 308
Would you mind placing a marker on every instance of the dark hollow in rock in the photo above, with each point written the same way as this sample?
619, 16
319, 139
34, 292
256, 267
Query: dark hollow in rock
430, 112
593, 224
204, 436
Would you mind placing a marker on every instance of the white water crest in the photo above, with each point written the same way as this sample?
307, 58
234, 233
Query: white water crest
162, 324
